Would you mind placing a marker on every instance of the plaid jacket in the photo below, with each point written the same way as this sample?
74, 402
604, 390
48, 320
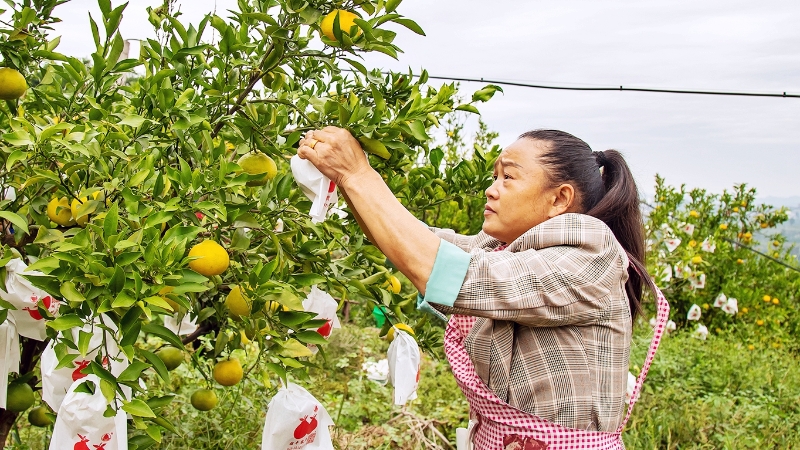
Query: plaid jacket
553, 332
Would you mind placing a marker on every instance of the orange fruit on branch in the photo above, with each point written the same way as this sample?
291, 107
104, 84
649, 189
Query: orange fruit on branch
346, 24
212, 258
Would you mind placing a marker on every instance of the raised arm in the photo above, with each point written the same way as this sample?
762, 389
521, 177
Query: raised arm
409, 244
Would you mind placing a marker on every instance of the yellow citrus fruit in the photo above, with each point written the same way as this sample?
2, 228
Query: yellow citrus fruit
723, 226
212, 258
697, 259
171, 357
399, 326
346, 23
19, 397
766, 298
393, 284
257, 163
775, 301
204, 399
59, 212
40, 417
75, 206
228, 372
12, 84
237, 303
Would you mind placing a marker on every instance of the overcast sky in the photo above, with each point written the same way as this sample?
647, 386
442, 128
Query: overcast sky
703, 141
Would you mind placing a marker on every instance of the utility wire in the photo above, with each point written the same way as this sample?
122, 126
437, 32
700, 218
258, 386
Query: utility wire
620, 88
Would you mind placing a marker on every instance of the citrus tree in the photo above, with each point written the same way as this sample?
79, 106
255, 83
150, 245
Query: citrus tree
722, 264
158, 188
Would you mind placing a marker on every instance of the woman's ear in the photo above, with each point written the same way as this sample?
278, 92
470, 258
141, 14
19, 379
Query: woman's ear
563, 200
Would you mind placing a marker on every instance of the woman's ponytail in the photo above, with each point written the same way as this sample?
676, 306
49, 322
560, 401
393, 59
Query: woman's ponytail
607, 191
619, 209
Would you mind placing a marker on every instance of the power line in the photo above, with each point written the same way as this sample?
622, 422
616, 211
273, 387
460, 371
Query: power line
619, 88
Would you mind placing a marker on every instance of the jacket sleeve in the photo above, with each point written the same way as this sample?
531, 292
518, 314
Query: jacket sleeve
554, 286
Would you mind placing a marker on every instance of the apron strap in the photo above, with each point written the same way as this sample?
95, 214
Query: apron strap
661, 324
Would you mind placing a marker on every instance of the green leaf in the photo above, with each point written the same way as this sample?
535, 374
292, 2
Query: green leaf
133, 372
132, 120
294, 349
16, 155
483, 95
308, 279
163, 333
19, 223
111, 222
311, 337
65, 322
69, 292
138, 408
158, 365
468, 108
411, 25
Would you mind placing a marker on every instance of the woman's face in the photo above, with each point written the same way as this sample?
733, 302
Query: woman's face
521, 196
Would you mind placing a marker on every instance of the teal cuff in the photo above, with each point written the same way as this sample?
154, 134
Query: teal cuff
444, 284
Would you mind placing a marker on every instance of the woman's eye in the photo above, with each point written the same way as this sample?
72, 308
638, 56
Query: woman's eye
507, 176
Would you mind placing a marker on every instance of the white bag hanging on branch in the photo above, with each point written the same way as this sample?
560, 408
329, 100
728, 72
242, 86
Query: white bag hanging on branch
296, 420
180, 324
320, 302
9, 355
317, 187
404, 366
25, 297
56, 381
81, 425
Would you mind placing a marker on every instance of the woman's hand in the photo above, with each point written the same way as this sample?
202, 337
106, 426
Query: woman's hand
336, 153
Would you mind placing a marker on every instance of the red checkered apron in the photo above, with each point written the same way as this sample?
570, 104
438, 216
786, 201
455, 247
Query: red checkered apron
503, 427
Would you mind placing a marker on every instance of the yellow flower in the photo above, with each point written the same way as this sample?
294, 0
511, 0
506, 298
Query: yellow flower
697, 259
745, 310
705, 306
723, 226
760, 322
775, 301
751, 347
694, 213
766, 298
692, 243
735, 209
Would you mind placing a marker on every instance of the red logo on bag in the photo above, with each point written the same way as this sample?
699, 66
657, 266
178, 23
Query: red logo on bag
305, 433
80, 365
326, 329
34, 312
83, 440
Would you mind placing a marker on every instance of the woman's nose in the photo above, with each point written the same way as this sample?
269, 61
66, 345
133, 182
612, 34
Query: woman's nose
491, 191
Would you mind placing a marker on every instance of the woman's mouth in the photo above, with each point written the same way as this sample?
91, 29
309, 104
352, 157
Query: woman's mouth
488, 210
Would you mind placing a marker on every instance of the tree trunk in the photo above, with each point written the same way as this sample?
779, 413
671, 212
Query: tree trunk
7, 419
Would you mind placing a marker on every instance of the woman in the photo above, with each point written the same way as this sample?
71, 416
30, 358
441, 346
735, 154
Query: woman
543, 299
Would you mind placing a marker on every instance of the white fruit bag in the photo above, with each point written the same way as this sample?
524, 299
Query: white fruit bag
9, 355
320, 302
56, 381
25, 297
296, 420
404, 360
80, 424
180, 324
317, 187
